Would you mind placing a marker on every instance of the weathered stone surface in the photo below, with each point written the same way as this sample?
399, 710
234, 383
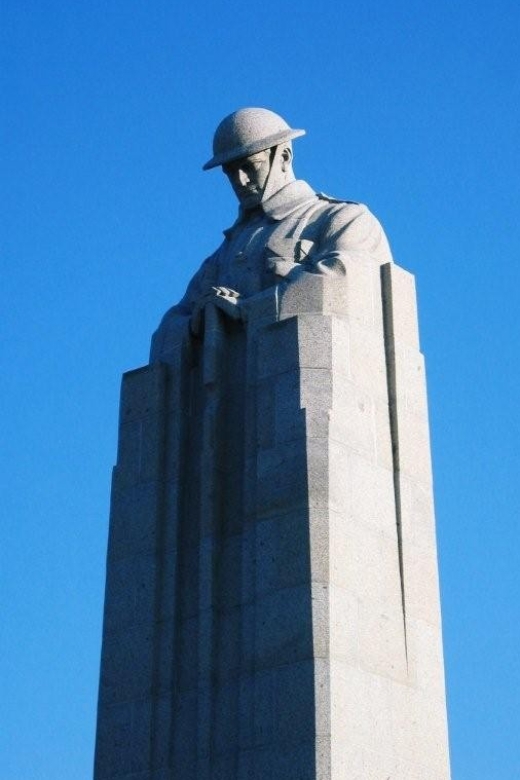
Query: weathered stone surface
272, 605
272, 602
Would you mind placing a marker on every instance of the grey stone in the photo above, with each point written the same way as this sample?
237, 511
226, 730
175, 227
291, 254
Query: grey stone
130, 648
123, 740
134, 517
272, 603
281, 479
130, 591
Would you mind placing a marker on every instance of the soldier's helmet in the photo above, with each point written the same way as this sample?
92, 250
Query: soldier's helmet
248, 131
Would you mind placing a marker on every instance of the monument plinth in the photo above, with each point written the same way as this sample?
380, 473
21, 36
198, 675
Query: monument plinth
272, 606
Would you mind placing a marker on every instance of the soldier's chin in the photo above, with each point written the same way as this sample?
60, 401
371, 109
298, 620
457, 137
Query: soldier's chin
250, 200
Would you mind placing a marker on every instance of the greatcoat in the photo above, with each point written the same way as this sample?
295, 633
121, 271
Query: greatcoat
295, 231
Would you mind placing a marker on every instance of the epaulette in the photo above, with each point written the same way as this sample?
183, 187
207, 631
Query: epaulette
322, 196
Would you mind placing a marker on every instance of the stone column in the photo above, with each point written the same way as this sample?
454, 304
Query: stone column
272, 606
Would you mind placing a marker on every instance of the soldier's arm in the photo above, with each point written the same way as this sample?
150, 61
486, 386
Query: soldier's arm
175, 325
348, 230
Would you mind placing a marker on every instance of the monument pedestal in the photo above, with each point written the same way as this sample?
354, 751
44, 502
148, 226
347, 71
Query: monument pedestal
272, 606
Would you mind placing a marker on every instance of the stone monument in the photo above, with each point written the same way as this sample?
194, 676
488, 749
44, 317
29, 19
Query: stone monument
272, 605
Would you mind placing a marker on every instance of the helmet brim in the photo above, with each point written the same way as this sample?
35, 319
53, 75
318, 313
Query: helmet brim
252, 148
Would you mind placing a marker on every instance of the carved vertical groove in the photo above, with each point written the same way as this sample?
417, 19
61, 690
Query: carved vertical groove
391, 374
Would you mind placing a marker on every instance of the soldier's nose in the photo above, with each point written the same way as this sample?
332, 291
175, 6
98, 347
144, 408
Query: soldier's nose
243, 178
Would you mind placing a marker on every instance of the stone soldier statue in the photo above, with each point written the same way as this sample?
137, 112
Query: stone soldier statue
272, 607
284, 228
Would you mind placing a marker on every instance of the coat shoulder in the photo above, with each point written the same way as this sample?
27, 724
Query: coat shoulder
330, 199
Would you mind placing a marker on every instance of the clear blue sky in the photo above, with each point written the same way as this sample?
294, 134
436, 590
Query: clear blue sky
108, 109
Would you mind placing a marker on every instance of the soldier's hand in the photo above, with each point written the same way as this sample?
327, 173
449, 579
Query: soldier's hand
226, 292
228, 301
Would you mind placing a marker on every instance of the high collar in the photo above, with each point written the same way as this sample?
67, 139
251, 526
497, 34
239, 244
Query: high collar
280, 205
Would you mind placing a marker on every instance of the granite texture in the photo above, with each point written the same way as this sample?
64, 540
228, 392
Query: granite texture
272, 605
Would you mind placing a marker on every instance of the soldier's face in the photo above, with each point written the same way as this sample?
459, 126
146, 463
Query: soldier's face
248, 177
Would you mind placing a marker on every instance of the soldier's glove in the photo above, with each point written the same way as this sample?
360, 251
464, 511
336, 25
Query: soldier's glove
228, 301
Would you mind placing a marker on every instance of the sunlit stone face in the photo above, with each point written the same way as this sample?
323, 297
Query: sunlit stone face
248, 177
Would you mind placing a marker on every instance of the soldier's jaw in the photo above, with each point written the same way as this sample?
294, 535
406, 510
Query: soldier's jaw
250, 197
